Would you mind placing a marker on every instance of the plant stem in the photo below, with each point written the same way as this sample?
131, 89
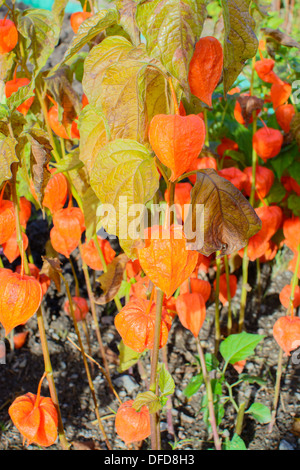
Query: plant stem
49, 371
240, 419
229, 317
169, 405
174, 98
210, 397
217, 305
154, 417
276, 390
294, 283
245, 256
95, 319
91, 385
206, 127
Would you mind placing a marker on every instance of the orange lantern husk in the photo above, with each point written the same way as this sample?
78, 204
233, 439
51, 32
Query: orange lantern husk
132, 425
191, 311
286, 332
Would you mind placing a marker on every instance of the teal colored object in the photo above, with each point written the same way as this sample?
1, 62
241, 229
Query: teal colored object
72, 7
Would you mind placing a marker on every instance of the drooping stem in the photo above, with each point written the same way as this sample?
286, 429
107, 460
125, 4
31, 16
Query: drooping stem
217, 304
210, 397
86, 365
229, 315
154, 417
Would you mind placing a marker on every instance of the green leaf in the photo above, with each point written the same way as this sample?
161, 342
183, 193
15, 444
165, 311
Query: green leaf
7, 157
127, 357
165, 381
294, 171
239, 346
21, 95
294, 204
89, 29
193, 386
172, 28
124, 174
148, 399
252, 379
260, 412
94, 134
41, 31
236, 443
6, 64
240, 42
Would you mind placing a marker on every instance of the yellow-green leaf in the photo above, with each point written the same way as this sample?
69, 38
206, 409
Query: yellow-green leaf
94, 134
172, 28
7, 157
124, 174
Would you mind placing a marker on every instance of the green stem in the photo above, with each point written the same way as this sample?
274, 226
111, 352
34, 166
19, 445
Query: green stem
240, 419
206, 127
294, 282
276, 390
217, 304
210, 396
245, 256
154, 417
229, 317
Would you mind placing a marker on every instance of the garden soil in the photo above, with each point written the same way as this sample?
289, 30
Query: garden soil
24, 367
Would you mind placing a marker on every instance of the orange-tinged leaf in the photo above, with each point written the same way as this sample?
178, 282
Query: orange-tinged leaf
165, 259
111, 280
177, 140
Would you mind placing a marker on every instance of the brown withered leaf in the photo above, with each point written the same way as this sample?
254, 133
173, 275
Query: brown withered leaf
51, 267
228, 218
280, 37
295, 128
111, 280
40, 157
248, 105
61, 88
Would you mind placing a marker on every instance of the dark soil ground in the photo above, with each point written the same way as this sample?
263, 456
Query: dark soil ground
24, 367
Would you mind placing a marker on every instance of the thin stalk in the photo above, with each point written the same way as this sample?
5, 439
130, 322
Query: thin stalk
240, 419
174, 98
154, 417
49, 371
294, 283
206, 127
86, 365
210, 397
258, 279
171, 187
169, 405
217, 305
245, 256
276, 390
48, 127
229, 317
95, 319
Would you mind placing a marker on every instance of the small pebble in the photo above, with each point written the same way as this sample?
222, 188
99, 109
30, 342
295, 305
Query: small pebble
285, 445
